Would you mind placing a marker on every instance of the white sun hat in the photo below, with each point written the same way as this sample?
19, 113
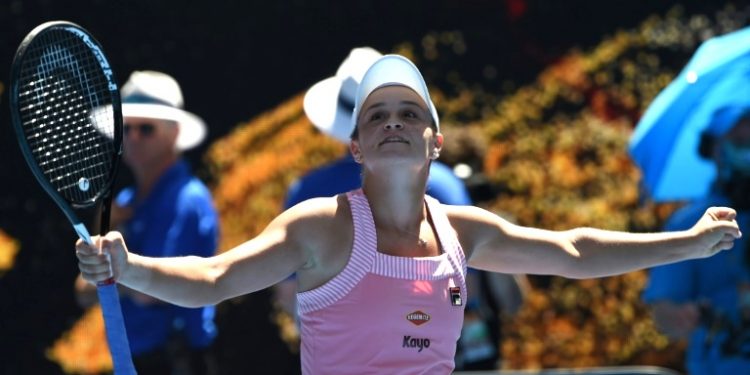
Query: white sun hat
393, 70
329, 103
151, 94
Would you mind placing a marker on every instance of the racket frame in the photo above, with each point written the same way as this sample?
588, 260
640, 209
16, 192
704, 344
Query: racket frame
107, 290
67, 207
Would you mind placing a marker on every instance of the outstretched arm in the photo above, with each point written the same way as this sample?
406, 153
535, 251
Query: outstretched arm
193, 281
494, 244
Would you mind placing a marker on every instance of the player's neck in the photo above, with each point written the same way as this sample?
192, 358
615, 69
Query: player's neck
396, 198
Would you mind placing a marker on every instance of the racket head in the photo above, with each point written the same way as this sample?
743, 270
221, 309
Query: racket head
66, 112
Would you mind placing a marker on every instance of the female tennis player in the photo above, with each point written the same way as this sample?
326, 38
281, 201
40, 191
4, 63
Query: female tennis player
380, 270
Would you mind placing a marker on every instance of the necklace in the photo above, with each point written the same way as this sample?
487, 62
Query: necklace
422, 243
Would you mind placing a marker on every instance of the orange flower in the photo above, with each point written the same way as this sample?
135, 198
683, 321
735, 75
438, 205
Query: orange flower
83, 349
9, 247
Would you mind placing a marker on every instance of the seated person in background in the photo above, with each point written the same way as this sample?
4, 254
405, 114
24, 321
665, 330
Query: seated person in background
707, 301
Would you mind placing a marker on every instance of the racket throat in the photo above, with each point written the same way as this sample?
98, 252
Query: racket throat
83, 233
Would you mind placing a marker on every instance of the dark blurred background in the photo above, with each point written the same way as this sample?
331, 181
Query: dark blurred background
234, 60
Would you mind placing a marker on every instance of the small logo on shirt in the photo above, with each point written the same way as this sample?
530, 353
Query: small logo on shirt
455, 293
418, 317
415, 342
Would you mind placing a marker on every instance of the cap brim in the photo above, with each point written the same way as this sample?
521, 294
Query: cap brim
394, 70
322, 107
192, 128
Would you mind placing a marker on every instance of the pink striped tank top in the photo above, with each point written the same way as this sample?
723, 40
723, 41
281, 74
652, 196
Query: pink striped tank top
385, 314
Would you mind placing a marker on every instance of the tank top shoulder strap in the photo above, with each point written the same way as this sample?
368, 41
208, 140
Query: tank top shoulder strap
446, 233
365, 237
360, 260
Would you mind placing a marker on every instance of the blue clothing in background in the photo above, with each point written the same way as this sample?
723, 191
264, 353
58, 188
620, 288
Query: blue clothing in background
177, 219
344, 175
715, 281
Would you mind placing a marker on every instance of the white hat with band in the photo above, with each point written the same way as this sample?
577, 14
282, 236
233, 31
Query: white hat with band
151, 94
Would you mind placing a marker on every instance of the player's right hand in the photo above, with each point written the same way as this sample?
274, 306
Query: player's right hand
103, 260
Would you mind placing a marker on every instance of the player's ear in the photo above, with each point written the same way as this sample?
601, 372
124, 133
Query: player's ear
439, 141
355, 150
437, 145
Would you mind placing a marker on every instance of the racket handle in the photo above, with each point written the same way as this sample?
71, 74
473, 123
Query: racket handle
114, 325
117, 338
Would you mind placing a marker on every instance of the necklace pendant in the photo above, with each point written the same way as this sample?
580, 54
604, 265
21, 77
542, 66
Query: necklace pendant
422, 243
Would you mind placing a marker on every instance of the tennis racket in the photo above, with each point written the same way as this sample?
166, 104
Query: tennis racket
65, 109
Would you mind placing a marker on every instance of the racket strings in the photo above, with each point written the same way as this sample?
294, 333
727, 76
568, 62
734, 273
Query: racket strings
65, 107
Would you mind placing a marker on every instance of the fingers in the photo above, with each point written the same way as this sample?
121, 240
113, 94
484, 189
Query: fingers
722, 213
719, 228
84, 247
113, 237
723, 245
95, 272
726, 243
729, 238
724, 218
730, 229
94, 259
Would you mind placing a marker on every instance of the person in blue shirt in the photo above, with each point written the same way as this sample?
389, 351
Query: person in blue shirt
707, 301
168, 212
328, 104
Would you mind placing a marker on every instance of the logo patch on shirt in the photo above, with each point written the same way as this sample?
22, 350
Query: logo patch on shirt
415, 342
455, 293
418, 317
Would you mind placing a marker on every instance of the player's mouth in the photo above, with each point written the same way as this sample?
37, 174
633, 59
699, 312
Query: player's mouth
394, 139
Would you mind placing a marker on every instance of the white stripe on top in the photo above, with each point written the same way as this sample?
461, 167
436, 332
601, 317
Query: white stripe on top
365, 258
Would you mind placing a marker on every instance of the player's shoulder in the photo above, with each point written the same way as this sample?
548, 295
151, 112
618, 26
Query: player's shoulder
317, 221
465, 212
319, 208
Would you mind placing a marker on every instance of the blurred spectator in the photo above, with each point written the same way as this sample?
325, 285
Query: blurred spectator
707, 301
168, 212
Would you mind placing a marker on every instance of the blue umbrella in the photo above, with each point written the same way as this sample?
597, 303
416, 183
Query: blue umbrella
709, 94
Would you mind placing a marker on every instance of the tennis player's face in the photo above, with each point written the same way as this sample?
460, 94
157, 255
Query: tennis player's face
148, 141
394, 123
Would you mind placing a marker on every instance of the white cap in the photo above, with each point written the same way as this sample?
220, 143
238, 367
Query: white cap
393, 70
